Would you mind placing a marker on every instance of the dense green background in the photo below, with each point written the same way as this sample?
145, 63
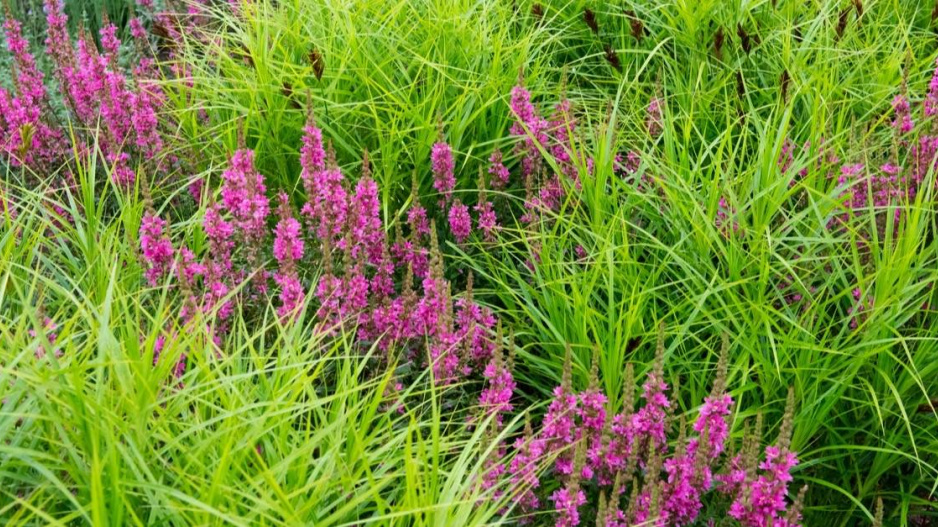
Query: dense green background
863, 425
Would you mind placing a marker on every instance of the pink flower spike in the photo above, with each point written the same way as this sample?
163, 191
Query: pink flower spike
459, 221
441, 159
155, 247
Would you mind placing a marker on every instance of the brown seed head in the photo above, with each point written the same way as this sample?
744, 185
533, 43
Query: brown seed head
590, 18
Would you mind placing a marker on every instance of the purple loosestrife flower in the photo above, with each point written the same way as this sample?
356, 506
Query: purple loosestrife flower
121, 173
387, 319
218, 265
433, 317
690, 472
569, 499
567, 503
155, 247
924, 159
288, 250
498, 171
653, 119
441, 159
681, 494
25, 138
760, 489
417, 219
888, 189
552, 193
189, 267
328, 209
628, 164
407, 253
410, 252
365, 227
931, 99
435, 302
492, 471
48, 329
291, 294
487, 220
649, 421
619, 454
97, 91
859, 308
712, 425
903, 120
532, 203
523, 470
143, 108
84, 82
768, 493
58, 43
312, 153
561, 128
649, 424
444, 355
382, 283
460, 223
28, 79
609, 513
137, 30
115, 105
786, 157
848, 175
109, 41
500, 385
327, 200
244, 195
559, 428
329, 291
592, 414
724, 221
525, 112
529, 126
474, 324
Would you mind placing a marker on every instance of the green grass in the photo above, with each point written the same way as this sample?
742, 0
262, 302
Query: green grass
101, 436
391, 72
392, 69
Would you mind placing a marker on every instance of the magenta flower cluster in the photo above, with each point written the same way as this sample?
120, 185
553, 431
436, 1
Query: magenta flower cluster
26, 137
624, 464
389, 293
108, 107
459, 215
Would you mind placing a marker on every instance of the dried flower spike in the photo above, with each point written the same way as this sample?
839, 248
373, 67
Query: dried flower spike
744, 38
636, 26
718, 39
783, 85
842, 20
316, 60
590, 18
